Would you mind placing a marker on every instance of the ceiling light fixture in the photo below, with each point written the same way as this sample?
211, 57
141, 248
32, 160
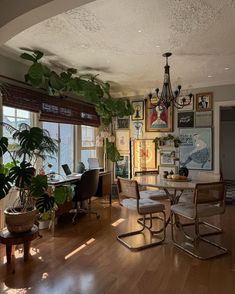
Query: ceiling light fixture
226, 68
209, 76
167, 98
139, 31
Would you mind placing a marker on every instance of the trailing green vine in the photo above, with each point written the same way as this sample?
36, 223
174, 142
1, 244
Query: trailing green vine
89, 86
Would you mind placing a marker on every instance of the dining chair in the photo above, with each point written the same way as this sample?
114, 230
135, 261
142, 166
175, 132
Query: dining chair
84, 190
129, 197
209, 200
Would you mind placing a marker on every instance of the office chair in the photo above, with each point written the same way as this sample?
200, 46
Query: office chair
129, 197
209, 200
84, 190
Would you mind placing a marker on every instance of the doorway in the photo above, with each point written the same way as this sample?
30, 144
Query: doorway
227, 149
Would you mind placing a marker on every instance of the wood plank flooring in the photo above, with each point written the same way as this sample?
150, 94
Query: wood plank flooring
100, 264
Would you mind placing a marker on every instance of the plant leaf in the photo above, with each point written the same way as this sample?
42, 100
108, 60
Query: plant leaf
45, 203
38, 185
27, 56
5, 185
3, 146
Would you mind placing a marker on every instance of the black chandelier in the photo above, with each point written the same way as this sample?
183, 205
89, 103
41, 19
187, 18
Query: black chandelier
167, 98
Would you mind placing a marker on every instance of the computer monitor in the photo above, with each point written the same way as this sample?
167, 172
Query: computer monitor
66, 169
93, 163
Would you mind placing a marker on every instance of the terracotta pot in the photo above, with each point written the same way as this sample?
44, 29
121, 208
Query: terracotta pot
18, 222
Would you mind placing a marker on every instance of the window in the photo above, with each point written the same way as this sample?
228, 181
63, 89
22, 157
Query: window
14, 117
64, 133
88, 149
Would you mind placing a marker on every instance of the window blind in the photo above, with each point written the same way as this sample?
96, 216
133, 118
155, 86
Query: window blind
50, 108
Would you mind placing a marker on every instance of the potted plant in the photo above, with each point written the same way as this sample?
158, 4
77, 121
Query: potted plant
94, 90
29, 145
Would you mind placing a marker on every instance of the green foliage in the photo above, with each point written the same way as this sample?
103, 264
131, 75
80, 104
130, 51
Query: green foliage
88, 85
33, 143
3, 146
62, 194
5, 185
45, 203
112, 152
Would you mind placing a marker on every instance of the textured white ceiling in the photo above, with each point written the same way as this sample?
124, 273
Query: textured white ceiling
103, 38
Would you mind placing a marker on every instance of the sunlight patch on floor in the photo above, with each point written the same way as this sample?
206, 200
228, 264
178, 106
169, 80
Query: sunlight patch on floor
79, 248
116, 223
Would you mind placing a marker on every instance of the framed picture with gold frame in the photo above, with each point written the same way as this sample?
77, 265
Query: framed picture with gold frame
144, 154
204, 101
157, 119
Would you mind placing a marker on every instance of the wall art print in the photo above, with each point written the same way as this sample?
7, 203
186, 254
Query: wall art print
139, 110
158, 119
196, 148
144, 155
122, 167
186, 119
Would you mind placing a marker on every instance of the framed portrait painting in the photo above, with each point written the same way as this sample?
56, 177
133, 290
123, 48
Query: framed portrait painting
144, 154
139, 110
122, 167
196, 148
204, 101
123, 140
158, 119
186, 100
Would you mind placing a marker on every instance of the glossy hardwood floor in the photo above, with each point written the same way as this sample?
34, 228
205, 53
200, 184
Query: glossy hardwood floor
87, 258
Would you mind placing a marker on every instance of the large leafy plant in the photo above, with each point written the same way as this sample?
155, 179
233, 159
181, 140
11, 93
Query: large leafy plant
30, 145
89, 86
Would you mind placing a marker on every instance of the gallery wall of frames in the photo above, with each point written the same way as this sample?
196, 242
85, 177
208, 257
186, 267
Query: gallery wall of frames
193, 125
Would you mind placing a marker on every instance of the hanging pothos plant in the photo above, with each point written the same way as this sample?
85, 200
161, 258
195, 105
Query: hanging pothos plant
89, 86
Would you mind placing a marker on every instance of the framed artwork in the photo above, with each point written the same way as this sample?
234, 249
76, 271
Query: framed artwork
186, 99
204, 101
138, 127
166, 157
123, 122
203, 119
139, 110
157, 119
186, 119
122, 140
144, 154
122, 167
168, 168
196, 148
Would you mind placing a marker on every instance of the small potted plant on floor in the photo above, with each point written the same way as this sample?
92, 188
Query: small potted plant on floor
27, 146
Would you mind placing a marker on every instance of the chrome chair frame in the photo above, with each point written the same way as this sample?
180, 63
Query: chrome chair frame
197, 237
149, 227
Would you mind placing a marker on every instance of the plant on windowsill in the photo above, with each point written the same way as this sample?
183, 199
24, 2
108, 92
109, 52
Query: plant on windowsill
29, 145
162, 141
89, 86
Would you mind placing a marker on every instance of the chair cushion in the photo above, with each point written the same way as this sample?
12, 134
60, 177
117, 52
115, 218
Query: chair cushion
153, 194
145, 205
203, 210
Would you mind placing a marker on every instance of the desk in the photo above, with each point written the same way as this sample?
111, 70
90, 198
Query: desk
104, 185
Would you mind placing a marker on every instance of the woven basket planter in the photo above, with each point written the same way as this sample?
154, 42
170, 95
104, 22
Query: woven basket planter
18, 222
